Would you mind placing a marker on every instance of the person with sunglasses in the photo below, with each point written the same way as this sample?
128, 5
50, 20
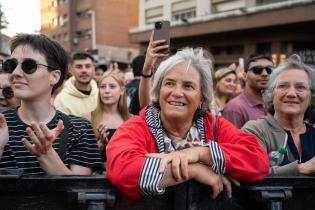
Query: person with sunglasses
7, 98
32, 136
289, 99
249, 105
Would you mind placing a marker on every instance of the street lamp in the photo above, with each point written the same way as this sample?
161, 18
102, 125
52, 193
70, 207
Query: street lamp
92, 15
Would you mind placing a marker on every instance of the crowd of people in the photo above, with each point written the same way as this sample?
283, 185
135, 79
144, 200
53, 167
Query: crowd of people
173, 118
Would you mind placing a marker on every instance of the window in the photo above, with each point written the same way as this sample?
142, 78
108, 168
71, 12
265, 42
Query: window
263, 2
186, 14
65, 36
65, 19
153, 14
78, 16
54, 21
184, 10
88, 34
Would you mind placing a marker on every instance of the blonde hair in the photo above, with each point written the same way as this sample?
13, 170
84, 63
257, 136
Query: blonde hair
97, 114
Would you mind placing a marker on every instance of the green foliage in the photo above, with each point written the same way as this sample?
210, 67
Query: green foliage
3, 22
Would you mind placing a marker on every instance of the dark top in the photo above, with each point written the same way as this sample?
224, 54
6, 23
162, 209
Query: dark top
81, 146
111, 132
307, 144
132, 90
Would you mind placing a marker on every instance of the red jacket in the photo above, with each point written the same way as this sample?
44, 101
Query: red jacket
243, 159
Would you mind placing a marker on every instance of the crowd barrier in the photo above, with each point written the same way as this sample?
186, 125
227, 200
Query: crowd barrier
96, 193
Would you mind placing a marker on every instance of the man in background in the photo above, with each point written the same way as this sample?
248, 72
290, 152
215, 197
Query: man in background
79, 94
249, 104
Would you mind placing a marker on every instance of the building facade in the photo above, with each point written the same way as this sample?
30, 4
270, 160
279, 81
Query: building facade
232, 29
100, 26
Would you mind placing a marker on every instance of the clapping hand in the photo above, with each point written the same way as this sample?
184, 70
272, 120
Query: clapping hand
103, 134
41, 137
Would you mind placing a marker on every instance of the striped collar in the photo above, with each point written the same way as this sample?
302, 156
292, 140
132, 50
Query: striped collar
153, 119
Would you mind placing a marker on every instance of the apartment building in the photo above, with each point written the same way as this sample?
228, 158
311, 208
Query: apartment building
100, 26
232, 29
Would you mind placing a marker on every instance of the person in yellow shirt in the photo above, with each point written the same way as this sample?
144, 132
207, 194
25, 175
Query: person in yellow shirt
79, 94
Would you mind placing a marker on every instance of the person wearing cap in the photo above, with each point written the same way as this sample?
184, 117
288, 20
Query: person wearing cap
249, 104
224, 86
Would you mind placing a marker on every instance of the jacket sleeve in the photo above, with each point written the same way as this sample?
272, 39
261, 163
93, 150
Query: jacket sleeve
286, 170
244, 158
127, 167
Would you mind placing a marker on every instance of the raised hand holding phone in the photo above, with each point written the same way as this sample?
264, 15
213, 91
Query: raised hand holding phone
158, 47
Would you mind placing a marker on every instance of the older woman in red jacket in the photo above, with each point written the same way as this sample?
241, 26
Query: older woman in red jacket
177, 139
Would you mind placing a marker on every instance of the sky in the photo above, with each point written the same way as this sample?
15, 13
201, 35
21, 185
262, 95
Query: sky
22, 15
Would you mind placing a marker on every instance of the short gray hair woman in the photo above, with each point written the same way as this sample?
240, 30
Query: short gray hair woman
293, 62
197, 58
283, 133
170, 143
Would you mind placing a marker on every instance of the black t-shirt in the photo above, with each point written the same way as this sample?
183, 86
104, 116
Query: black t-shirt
81, 147
132, 90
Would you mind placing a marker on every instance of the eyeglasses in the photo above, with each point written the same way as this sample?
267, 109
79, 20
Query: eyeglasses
298, 87
7, 92
260, 69
28, 65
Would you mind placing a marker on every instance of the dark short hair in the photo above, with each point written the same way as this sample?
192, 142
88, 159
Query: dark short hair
55, 55
254, 57
137, 65
102, 66
81, 55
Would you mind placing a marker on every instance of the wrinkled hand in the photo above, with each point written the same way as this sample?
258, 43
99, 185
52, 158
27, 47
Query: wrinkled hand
205, 175
227, 182
178, 161
154, 51
42, 137
4, 133
307, 167
102, 140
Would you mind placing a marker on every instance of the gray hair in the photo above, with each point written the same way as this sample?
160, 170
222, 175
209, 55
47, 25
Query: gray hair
293, 62
195, 57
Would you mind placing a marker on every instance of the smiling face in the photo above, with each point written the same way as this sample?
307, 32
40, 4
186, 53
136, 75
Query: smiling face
292, 93
227, 85
37, 85
110, 91
180, 93
83, 70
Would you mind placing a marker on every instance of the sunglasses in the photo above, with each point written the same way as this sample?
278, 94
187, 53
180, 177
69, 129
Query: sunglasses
28, 65
260, 69
7, 92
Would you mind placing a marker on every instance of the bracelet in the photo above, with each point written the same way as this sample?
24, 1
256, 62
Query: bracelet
147, 75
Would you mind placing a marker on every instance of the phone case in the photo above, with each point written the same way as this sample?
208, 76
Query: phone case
163, 32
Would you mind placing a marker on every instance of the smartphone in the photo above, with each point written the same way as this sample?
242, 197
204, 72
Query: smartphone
162, 32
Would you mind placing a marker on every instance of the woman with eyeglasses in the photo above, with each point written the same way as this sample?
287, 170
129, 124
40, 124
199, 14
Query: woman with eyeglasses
283, 133
7, 98
32, 136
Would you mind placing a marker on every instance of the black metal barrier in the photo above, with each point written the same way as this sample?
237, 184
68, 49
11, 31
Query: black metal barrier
96, 193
